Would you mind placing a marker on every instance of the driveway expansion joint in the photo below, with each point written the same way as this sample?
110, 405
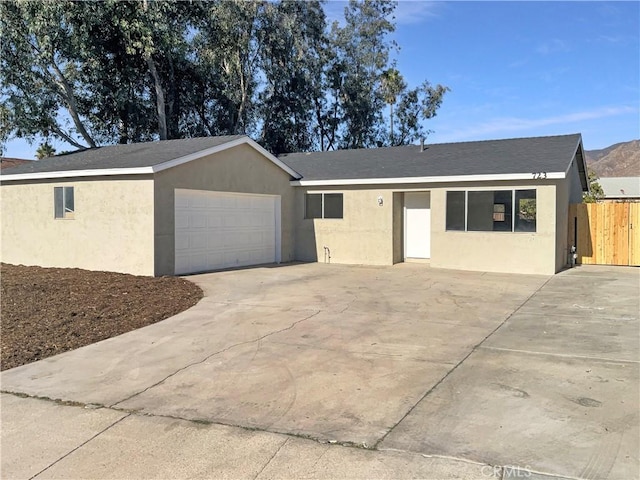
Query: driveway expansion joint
79, 446
271, 458
327, 443
226, 349
57, 401
199, 421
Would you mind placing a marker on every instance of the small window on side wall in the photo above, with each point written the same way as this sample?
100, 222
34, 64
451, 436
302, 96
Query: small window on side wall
64, 202
323, 205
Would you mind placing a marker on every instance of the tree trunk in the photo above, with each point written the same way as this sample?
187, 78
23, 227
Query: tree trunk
67, 138
391, 122
160, 103
71, 103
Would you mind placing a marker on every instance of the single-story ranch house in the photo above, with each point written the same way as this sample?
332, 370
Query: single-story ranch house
199, 204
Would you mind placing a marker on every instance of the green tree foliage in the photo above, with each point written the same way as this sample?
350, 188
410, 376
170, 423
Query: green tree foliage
392, 84
292, 45
596, 192
118, 71
45, 150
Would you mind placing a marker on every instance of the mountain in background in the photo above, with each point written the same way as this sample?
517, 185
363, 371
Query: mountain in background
619, 160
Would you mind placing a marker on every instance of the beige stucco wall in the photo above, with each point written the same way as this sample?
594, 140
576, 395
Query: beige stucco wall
240, 169
372, 234
112, 228
363, 236
512, 252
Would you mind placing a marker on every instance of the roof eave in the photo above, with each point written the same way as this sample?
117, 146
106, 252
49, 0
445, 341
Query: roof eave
435, 179
76, 173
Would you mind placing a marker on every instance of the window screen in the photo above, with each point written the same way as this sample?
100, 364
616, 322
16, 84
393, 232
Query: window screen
68, 200
480, 211
58, 201
455, 210
332, 205
313, 205
323, 205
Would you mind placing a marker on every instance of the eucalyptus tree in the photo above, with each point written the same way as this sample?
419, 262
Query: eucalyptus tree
117, 102
360, 80
292, 40
40, 74
93, 73
157, 31
415, 106
227, 46
363, 51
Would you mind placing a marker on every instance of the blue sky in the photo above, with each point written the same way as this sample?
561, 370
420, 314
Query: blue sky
526, 68
516, 69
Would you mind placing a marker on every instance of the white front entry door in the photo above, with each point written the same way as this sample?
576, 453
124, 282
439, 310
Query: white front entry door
417, 225
216, 230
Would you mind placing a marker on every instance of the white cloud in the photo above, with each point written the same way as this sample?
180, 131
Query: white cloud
410, 12
506, 125
554, 45
407, 12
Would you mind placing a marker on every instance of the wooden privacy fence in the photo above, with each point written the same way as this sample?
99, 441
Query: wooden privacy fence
605, 233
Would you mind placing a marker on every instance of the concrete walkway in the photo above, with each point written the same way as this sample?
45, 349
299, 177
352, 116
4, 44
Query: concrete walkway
324, 371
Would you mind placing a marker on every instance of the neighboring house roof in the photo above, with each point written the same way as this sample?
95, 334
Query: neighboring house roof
510, 159
620, 187
6, 162
133, 158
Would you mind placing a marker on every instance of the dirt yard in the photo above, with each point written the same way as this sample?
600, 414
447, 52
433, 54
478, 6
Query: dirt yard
46, 311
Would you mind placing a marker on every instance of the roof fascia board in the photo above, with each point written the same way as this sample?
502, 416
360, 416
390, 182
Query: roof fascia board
273, 158
225, 146
443, 179
76, 173
584, 171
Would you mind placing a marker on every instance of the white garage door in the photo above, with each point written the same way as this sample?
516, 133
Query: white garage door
221, 230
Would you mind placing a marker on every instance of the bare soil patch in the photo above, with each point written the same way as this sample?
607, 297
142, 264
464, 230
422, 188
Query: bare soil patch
46, 311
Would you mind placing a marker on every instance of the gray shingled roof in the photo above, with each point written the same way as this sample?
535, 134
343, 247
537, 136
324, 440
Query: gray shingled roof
620, 187
131, 155
511, 156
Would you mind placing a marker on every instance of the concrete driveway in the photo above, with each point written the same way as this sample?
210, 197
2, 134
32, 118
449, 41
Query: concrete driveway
419, 366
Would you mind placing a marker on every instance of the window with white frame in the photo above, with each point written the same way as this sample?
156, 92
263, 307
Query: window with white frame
323, 205
491, 210
63, 201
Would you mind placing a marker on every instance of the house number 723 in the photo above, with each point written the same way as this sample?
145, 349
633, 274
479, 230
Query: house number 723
539, 175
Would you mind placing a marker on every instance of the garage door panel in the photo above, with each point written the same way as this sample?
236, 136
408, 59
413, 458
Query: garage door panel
182, 220
220, 230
